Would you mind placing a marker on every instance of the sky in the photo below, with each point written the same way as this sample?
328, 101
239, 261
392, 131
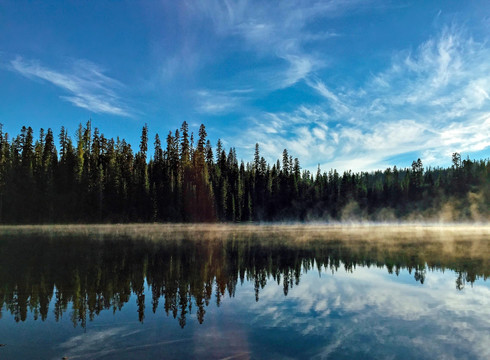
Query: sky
344, 84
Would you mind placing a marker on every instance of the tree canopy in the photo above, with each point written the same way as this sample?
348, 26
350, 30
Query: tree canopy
97, 179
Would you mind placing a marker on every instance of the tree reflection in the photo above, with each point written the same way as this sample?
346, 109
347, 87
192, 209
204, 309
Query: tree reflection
183, 275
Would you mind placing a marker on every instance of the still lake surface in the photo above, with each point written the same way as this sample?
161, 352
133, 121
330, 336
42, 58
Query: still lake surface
240, 292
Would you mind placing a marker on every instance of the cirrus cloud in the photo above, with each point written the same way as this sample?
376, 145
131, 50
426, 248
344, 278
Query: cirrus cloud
85, 83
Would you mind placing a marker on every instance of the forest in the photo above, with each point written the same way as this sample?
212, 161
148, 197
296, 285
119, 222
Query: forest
94, 179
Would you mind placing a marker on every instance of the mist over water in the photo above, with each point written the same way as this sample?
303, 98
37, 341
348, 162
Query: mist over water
245, 291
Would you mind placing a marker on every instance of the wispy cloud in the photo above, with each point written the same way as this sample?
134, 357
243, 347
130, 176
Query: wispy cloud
221, 102
262, 45
303, 132
335, 103
275, 31
300, 66
84, 82
429, 102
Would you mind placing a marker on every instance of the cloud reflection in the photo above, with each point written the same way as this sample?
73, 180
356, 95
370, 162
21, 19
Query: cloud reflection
368, 308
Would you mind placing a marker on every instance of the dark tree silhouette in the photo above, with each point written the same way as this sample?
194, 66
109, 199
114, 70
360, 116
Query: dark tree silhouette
103, 180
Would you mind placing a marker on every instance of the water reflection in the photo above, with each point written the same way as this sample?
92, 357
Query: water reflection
186, 270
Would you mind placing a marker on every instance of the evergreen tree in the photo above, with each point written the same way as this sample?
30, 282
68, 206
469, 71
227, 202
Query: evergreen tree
102, 180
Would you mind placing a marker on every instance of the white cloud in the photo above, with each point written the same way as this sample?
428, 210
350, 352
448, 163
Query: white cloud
221, 102
86, 83
473, 135
319, 36
432, 101
320, 133
299, 132
277, 31
336, 104
299, 68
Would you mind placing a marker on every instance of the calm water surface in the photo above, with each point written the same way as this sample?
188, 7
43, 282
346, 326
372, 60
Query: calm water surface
244, 292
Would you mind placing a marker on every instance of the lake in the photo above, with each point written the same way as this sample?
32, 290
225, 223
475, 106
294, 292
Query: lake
245, 292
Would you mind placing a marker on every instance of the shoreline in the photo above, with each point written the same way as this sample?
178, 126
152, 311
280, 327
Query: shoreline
155, 229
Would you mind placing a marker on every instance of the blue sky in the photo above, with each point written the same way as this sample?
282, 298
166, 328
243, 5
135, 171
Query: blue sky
348, 84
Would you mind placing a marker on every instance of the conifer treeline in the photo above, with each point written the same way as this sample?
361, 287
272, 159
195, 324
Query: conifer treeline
96, 179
